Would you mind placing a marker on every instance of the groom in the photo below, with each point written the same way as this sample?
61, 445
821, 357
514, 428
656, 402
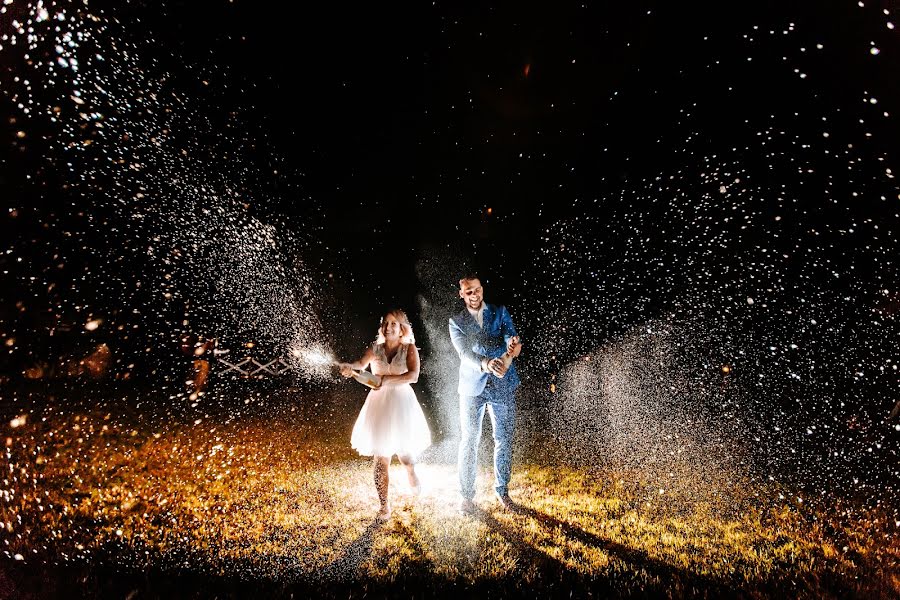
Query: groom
482, 334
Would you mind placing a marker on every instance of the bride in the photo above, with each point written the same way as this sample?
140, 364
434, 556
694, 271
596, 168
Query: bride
391, 421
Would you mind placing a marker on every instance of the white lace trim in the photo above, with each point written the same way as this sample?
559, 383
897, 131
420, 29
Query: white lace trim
387, 366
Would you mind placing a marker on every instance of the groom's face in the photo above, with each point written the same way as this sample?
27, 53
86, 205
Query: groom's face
472, 293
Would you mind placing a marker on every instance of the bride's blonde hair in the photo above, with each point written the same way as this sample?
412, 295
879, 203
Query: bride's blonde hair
406, 332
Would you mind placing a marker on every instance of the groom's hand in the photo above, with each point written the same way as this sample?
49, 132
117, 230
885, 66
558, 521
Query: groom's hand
514, 347
497, 367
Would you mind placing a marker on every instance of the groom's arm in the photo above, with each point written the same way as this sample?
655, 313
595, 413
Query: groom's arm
458, 339
507, 329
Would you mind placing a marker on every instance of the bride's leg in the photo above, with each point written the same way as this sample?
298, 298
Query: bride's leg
410, 464
382, 480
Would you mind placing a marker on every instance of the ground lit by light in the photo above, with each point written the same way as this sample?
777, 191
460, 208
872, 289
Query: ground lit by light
282, 499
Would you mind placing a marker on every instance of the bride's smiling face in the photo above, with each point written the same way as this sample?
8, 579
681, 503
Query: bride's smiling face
390, 328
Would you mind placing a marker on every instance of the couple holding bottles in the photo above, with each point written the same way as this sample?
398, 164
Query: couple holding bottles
391, 420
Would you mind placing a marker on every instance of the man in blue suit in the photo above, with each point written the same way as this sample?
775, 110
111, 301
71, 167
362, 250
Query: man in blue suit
483, 335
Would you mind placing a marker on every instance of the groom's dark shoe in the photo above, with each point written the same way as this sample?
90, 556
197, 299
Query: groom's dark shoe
466, 507
506, 502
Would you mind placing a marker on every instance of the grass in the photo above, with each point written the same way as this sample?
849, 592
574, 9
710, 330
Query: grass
237, 505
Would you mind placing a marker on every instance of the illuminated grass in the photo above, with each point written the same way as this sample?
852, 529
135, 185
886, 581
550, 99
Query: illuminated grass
279, 500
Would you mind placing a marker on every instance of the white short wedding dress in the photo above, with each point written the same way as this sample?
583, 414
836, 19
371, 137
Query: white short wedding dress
391, 421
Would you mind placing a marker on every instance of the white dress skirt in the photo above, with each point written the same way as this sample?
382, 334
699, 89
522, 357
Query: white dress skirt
391, 421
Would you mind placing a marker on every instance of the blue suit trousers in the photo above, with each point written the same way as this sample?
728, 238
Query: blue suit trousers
501, 406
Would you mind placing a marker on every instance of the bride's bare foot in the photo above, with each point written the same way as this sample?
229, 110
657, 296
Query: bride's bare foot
384, 514
415, 485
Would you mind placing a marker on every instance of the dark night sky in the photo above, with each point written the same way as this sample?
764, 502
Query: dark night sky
421, 113
384, 132
406, 121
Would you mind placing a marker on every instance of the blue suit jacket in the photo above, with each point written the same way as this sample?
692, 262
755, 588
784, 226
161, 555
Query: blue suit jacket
473, 343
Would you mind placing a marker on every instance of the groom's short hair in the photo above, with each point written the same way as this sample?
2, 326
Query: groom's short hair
468, 277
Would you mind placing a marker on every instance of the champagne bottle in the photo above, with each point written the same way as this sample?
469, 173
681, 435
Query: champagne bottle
367, 378
507, 360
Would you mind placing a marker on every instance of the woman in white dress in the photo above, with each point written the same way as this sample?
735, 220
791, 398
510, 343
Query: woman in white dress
391, 421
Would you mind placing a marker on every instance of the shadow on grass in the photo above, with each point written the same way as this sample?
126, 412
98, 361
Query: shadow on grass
344, 577
664, 576
346, 566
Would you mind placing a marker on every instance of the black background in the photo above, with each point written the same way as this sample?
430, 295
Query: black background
385, 133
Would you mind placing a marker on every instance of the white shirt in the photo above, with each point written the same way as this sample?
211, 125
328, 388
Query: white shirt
477, 314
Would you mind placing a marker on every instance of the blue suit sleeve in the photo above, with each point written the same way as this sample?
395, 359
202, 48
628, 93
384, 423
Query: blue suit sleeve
506, 325
458, 339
